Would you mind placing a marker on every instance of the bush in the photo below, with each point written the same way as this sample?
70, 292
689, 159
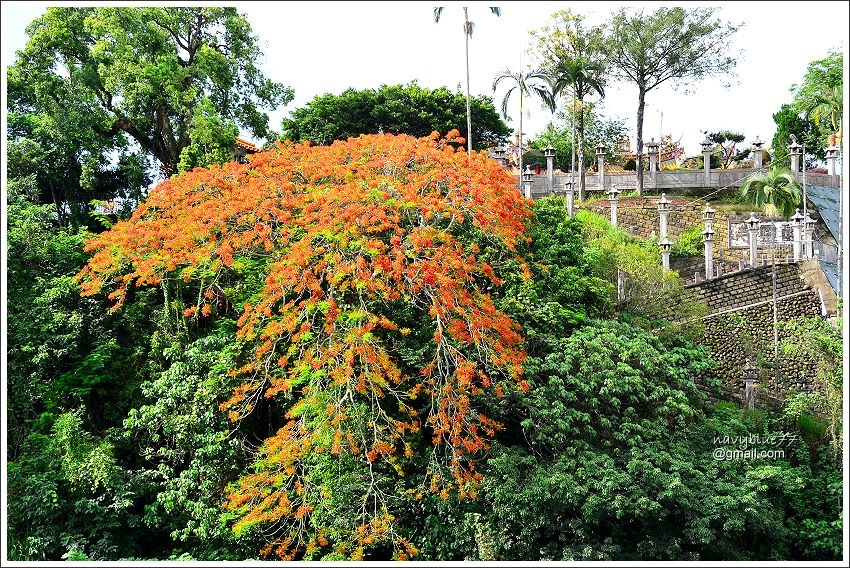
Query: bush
688, 244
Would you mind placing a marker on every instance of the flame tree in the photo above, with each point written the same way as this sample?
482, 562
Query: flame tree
370, 265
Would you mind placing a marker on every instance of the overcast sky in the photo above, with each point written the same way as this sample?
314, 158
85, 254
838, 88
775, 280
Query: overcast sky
326, 47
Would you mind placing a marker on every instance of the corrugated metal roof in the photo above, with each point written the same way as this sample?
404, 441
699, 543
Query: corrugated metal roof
830, 270
825, 199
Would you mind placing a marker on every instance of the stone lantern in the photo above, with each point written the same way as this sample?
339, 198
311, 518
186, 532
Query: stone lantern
600, 163
570, 192
527, 177
665, 245
706, 160
797, 229
500, 155
794, 151
753, 225
758, 153
549, 152
663, 211
831, 154
708, 244
751, 374
808, 233
613, 196
708, 215
652, 149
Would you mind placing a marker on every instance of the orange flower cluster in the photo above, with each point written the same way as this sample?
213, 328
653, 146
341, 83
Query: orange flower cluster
346, 234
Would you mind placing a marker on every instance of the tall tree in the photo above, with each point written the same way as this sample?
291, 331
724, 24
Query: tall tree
143, 72
671, 43
394, 109
468, 28
789, 121
525, 83
574, 56
820, 97
582, 76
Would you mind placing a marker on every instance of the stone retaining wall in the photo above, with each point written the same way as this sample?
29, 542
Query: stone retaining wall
750, 286
737, 336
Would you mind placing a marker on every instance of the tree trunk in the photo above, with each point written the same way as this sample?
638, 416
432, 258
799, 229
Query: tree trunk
468, 110
639, 156
573, 148
582, 192
520, 141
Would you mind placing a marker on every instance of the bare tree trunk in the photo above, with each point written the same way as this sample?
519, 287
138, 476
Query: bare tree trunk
573, 149
639, 156
468, 110
520, 137
582, 191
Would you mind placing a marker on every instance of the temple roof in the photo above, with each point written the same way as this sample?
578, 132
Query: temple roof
247, 146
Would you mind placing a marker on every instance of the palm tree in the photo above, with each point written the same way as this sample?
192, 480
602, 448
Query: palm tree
776, 191
526, 83
828, 104
467, 32
582, 76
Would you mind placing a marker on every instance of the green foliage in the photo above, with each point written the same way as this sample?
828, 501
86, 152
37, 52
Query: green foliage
70, 497
140, 74
213, 139
817, 342
777, 192
788, 121
186, 446
653, 298
597, 128
408, 109
820, 97
689, 243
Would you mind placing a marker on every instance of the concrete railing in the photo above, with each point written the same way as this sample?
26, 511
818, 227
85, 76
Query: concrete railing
669, 180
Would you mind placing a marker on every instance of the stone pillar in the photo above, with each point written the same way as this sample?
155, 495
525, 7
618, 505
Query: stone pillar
794, 152
570, 196
708, 243
706, 161
550, 169
612, 199
808, 233
600, 163
665, 245
797, 230
652, 149
753, 228
758, 154
831, 153
663, 211
750, 375
621, 285
527, 177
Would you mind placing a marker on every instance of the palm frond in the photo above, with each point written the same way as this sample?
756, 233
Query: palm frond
437, 13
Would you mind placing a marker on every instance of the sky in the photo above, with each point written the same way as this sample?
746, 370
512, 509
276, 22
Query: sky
327, 47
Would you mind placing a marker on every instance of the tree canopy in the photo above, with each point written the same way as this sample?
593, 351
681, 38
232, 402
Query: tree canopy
367, 248
144, 74
649, 50
397, 109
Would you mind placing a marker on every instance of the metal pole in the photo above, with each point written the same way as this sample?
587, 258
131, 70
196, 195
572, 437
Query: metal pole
805, 207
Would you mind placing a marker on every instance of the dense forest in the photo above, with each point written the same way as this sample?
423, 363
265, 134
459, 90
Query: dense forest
370, 349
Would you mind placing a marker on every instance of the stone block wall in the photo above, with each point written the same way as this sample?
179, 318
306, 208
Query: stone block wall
737, 336
750, 286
